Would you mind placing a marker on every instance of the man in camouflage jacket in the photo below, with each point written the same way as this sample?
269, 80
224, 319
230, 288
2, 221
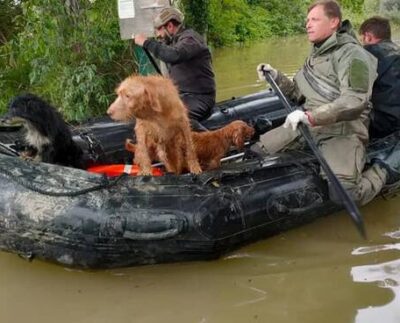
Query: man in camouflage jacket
334, 86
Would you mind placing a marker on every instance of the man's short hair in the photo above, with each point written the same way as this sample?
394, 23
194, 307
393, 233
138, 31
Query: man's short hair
331, 8
378, 26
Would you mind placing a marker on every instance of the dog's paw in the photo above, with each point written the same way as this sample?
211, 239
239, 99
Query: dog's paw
195, 169
144, 171
27, 155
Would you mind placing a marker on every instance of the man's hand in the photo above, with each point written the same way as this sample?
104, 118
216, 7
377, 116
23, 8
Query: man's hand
139, 39
293, 119
267, 68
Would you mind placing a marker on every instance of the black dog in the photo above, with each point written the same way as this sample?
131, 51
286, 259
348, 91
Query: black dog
46, 131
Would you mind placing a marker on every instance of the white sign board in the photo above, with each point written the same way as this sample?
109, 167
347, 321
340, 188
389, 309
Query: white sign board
126, 9
136, 16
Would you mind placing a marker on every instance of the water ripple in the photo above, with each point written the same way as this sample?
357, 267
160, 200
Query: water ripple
385, 275
377, 248
393, 235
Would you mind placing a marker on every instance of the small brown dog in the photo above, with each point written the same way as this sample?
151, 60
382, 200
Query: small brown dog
211, 146
162, 123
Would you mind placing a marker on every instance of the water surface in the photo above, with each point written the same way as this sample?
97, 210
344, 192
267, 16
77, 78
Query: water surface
235, 67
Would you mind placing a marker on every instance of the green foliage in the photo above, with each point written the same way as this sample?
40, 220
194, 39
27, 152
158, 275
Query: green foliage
71, 56
286, 17
70, 52
197, 14
371, 7
8, 10
392, 5
357, 11
231, 21
391, 9
354, 6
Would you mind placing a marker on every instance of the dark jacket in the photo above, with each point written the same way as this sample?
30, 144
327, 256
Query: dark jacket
386, 92
188, 61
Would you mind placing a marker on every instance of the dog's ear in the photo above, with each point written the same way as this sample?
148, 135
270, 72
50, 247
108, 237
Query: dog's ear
250, 131
152, 100
238, 138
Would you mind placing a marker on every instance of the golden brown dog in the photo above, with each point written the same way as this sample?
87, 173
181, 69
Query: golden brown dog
211, 146
162, 123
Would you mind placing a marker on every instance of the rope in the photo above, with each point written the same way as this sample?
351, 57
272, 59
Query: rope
8, 150
106, 183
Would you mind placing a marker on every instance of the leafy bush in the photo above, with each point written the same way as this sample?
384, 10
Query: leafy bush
391, 9
230, 21
70, 52
73, 57
8, 10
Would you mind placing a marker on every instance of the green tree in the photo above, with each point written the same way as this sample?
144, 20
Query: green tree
196, 14
392, 5
391, 9
9, 9
241, 20
355, 6
69, 52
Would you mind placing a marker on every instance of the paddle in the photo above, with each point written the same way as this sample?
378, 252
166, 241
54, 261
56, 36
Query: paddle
348, 203
152, 61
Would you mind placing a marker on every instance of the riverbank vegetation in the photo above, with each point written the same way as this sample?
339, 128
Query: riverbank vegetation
227, 22
71, 54
70, 51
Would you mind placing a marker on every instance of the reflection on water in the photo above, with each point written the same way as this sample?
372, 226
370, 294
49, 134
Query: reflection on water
365, 250
384, 275
393, 235
321, 272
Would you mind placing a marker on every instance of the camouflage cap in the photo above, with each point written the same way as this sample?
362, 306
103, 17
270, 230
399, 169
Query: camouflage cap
166, 15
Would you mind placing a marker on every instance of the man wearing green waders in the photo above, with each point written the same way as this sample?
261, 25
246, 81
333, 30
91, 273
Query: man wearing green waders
334, 86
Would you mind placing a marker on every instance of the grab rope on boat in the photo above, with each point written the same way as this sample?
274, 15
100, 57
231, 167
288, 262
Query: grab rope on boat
106, 183
7, 150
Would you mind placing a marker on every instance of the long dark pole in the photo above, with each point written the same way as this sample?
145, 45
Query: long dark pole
348, 203
152, 60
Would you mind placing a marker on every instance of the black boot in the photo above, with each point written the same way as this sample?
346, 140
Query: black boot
254, 152
391, 163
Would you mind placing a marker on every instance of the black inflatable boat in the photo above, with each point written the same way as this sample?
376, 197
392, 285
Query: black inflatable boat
81, 219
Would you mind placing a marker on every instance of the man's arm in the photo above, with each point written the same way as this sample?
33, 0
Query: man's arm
289, 88
356, 72
186, 48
